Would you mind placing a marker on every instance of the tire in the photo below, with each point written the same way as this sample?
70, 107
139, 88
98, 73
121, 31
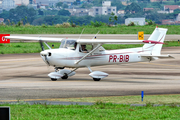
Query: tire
53, 79
65, 76
96, 79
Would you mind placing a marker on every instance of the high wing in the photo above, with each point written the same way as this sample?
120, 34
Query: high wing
86, 41
45, 39
114, 41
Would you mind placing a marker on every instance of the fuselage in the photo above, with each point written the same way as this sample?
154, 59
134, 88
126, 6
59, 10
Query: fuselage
63, 57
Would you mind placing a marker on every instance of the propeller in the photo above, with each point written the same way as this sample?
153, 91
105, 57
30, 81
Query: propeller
41, 44
43, 53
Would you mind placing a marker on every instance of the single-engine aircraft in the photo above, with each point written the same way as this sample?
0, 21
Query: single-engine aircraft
73, 54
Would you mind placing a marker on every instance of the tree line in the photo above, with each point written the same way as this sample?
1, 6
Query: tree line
26, 15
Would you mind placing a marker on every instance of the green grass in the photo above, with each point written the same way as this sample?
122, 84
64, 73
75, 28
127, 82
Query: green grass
120, 29
34, 47
103, 111
154, 99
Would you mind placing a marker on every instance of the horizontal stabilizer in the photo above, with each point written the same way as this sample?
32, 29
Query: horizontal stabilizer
158, 56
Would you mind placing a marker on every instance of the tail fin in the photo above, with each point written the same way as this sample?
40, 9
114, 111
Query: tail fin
157, 35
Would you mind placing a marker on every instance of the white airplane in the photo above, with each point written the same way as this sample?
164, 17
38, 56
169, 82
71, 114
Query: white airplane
70, 54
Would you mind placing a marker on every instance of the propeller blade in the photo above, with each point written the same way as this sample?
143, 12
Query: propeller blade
46, 60
41, 44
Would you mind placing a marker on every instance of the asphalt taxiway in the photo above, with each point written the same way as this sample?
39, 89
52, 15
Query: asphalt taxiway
24, 77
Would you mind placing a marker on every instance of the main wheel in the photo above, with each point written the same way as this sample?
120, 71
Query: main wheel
53, 79
65, 76
96, 79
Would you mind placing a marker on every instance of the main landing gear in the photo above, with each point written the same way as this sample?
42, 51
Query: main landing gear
97, 75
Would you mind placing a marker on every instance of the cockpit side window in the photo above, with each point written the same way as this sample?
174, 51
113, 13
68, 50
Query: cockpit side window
85, 48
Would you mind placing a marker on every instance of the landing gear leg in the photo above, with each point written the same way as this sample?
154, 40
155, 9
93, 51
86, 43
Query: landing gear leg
56, 68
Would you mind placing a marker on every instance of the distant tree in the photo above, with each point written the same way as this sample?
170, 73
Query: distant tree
156, 4
121, 20
31, 15
48, 20
13, 15
118, 4
21, 12
59, 4
40, 12
65, 6
64, 12
156, 17
176, 11
97, 2
113, 18
75, 3
133, 8
4, 14
38, 21
86, 5
81, 20
102, 18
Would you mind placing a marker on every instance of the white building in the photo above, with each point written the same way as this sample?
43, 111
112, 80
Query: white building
137, 21
106, 9
67, 1
8, 4
47, 2
80, 12
21, 2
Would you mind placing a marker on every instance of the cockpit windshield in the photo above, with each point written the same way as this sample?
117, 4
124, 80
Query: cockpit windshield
69, 44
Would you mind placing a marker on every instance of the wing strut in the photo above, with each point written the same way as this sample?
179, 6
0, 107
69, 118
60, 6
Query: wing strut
47, 45
99, 45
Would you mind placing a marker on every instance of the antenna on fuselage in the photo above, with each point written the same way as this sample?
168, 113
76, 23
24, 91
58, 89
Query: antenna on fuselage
81, 34
95, 35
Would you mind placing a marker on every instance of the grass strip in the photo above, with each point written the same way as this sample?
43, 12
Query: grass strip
154, 99
34, 47
98, 111
119, 29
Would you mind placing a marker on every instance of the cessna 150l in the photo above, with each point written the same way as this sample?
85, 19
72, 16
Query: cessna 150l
70, 54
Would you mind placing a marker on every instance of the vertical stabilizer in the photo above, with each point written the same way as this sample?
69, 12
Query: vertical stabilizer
157, 35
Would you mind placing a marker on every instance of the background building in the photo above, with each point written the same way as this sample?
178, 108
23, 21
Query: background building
8, 4
137, 21
21, 2
47, 2
106, 9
